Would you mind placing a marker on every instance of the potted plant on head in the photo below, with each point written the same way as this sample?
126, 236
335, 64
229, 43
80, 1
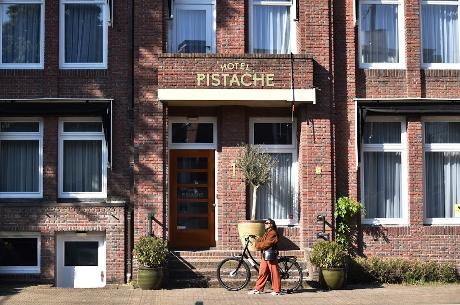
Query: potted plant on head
150, 253
256, 167
330, 257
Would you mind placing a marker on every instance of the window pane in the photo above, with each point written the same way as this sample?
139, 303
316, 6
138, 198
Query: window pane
442, 174
271, 29
382, 184
192, 192
83, 166
275, 199
191, 31
192, 178
82, 127
19, 127
273, 133
192, 223
83, 33
440, 33
19, 166
18, 252
192, 133
379, 33
21, 33
81, 253
192, 163
442, 132
382, 132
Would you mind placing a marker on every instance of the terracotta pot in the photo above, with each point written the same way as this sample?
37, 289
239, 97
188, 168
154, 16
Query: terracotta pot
334, 277
150, 278
250, 227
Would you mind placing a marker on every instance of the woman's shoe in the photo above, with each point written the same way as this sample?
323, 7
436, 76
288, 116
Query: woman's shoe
274, 293
254, 291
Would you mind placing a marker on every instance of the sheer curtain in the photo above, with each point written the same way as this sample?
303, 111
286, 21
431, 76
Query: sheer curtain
379, 33
82, 166
440, 34
19, 166
275, 199
382, 184
21, 33
83, 33
271, 29
191, 31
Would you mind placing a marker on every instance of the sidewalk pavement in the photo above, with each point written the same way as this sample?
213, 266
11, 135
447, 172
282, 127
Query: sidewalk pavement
124, 295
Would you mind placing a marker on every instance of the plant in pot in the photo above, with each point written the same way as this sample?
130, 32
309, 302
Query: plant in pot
256, 167
347, 212
330, 257
150, 253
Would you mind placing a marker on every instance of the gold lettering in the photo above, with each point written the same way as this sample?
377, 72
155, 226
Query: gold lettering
234, 80
200, 77
215, 80
260, 78
270, 78
245, 75
223, 67
225, 76
231, 66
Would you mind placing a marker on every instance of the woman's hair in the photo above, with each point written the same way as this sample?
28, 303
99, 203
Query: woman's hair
273, 223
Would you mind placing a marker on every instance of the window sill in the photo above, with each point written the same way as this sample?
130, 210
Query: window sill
19, 270
386, 222
442, 221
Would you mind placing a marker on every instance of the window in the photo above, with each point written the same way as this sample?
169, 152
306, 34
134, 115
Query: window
193, 27
272, 29
381, 34
82, 158
383, 171
21, 158
19, 252
278, 198
193, 133
442, 170
440, 34
21, 36
83, 34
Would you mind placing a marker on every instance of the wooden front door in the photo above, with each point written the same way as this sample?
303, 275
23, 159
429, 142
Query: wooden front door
191, 199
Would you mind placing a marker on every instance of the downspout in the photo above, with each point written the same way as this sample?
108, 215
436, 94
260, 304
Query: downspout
332, 111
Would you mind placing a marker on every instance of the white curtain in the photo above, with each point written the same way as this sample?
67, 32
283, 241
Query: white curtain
19, 166
275, 199
271, 29
382, 184
83, 33
21, 33
440, 34
191, 31
379, 33
82, 166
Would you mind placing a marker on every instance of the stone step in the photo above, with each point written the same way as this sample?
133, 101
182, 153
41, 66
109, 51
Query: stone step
212, 283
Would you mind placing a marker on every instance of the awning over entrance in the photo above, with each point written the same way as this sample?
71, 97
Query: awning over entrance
63, 106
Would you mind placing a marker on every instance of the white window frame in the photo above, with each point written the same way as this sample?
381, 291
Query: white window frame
437, 147
75, 136
105, 12
22, 269
26, 136
211, 120
389, 147
39, 65
284, 148
401, 32
210, 7
445, 66
292, 14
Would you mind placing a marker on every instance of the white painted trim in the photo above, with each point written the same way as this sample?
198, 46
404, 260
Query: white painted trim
23, 269
212, 120
75, 136
301, 95
64, 65
37, 136
32, 66
401, 32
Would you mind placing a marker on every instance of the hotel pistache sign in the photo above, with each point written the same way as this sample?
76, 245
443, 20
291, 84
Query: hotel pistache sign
235, 74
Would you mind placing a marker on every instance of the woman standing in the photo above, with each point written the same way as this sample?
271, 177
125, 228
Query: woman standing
267, 268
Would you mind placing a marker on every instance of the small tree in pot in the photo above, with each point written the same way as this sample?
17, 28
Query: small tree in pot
256, 167
150, 253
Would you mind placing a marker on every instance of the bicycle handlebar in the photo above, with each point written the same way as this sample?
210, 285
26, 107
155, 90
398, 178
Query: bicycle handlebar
250, 236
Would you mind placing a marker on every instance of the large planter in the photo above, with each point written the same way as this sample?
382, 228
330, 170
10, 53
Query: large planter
250, 227
150, 278
334, 277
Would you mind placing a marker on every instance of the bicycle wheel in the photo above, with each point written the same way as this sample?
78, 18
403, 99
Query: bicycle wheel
232, 274
290, 273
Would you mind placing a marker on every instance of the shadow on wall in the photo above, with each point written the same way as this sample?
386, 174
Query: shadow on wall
284, 243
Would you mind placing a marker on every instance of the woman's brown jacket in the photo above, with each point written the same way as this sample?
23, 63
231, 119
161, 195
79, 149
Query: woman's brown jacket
267, 241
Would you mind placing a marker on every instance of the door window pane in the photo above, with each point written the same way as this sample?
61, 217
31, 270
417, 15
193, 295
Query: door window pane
81, 253
192, 163
18, 252
192, 133
200, 207
192, 178
191, 223
191, 31
192, 192
21, 28
273, 133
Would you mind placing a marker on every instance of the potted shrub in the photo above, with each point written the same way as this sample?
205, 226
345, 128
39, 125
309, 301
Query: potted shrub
330, 257
256, 167
150, 253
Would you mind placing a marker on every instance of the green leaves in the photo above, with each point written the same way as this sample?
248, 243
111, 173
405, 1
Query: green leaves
345, 213
255, 165
328, 254
150, 251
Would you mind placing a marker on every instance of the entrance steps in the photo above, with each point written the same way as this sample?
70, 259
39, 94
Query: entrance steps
198, 269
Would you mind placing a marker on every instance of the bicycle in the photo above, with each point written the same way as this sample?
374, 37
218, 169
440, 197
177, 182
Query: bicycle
233, 273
